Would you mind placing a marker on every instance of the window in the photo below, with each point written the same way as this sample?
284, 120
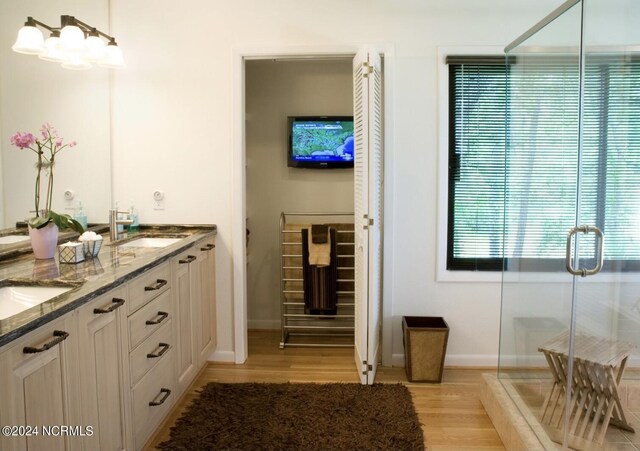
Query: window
525, 199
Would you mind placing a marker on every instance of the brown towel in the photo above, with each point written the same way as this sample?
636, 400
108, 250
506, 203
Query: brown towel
320, 284
319, 254
319, 233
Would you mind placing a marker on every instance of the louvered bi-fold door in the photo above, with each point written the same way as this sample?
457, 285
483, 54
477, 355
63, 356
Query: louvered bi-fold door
367, 111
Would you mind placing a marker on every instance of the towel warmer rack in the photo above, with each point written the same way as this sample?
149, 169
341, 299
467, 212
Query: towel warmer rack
297, 327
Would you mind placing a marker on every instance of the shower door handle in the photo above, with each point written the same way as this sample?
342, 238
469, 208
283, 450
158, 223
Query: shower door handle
599, 251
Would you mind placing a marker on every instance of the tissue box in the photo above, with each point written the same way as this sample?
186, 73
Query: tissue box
70, 252
92, 248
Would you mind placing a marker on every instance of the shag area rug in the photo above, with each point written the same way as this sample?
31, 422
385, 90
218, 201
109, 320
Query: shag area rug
298, 417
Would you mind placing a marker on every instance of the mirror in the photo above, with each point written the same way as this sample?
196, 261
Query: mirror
76, 103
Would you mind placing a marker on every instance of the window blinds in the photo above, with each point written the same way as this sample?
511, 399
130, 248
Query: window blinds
530, 192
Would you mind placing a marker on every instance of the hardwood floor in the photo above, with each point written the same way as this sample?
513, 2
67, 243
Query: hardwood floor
451, 414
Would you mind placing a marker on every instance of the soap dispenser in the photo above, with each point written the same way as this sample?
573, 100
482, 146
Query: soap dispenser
80, 216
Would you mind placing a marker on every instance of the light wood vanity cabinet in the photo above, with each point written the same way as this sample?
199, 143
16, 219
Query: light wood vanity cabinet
194, 286
35, 387
206, 329
117, 364
101, 370
150, 350
186, 298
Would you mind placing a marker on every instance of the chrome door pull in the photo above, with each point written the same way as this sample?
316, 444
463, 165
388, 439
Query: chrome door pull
583, 272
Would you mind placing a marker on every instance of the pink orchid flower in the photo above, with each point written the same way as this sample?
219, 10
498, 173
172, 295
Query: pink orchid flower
23, 140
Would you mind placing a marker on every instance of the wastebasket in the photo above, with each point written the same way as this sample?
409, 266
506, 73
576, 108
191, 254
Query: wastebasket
425, 344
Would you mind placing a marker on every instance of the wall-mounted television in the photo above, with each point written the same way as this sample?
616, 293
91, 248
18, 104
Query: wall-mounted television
320, 142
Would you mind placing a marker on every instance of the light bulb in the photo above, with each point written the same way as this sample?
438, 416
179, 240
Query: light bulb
53, 52
76, 62
72, 39
30, 41
113, 57
95, 49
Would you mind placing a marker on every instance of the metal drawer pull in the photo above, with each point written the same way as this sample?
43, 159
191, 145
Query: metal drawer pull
60, 336
189, 259
165, 347
208, 247
162, 315
116, 303
156, 286
166, 392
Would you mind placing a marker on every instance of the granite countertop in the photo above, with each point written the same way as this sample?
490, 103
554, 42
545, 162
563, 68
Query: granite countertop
90, 278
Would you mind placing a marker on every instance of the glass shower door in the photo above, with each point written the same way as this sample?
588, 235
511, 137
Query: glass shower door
541, 205
570, 325
607, 306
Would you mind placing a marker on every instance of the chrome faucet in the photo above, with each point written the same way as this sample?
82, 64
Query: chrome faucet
114, 222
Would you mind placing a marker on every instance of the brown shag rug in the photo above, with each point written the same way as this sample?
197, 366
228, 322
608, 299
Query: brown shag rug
299, 417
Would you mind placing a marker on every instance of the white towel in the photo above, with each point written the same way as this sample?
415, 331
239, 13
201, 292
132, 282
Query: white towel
319, 254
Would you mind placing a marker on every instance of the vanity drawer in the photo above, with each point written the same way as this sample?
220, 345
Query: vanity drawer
151, 352
149, 319
148, 285
157, 388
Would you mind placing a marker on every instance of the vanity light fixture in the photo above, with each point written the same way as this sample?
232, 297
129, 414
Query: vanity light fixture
75, 44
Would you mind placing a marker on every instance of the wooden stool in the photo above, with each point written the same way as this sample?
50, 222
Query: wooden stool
598, 365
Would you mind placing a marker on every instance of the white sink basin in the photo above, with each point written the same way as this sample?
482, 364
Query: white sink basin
151, 242
14, 300
10, 239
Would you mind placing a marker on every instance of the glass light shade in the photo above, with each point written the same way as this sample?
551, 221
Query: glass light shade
95, 49
76, 62
53, 52
113, 57
30, 41
72, 39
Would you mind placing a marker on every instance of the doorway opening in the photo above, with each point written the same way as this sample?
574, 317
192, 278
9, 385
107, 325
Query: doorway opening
272, 88
275, 90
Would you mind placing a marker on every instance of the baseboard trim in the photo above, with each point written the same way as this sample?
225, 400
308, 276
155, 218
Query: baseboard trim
263, 324
223, 356
458, 360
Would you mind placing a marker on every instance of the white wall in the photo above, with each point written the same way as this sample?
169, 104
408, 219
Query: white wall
173, 128
275, 90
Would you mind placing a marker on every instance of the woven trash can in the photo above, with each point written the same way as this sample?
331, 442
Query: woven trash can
425, 345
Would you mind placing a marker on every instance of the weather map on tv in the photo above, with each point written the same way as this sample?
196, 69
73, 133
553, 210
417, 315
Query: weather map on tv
322, 142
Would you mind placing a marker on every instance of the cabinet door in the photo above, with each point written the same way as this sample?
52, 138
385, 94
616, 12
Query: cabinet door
34, 390
186, 292
101, 371
207, 326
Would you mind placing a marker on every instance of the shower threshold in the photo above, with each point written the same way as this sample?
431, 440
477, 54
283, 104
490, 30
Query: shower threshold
511, 405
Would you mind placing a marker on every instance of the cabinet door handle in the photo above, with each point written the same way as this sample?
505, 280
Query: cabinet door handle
156, 286
189, 259
166, 392
208, 247
165, 347
162, 315
116, 303
60, 336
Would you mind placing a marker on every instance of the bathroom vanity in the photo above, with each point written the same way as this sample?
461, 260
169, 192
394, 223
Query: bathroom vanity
100, 363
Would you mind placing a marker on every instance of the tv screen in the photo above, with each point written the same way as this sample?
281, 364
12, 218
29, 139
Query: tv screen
321, 142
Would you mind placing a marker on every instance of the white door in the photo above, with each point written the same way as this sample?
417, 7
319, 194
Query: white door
367, 112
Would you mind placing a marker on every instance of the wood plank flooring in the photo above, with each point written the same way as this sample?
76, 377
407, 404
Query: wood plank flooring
451, 413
